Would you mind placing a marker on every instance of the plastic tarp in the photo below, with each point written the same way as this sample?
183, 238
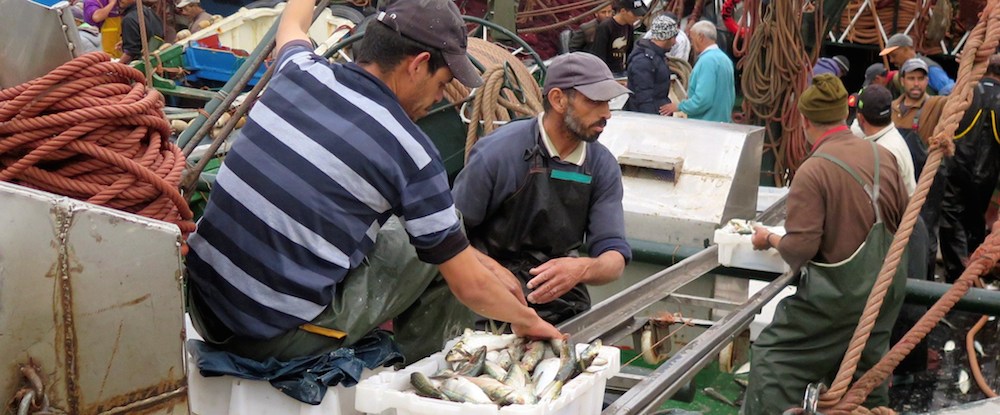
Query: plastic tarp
37, 39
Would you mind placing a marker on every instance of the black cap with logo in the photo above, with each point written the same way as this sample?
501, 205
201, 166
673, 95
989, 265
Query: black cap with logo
436, 24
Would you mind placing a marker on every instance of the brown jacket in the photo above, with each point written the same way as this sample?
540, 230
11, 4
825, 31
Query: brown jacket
829, 213
929, 115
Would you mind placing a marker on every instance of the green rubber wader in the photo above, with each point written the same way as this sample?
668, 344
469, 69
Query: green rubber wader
811, 329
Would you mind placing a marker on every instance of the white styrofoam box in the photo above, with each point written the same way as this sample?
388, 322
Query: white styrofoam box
767, 196
736, 250
766, 314
228, 395
390, 393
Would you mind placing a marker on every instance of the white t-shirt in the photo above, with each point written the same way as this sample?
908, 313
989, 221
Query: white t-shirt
890, 138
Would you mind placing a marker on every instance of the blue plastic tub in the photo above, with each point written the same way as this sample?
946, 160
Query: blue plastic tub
215, 65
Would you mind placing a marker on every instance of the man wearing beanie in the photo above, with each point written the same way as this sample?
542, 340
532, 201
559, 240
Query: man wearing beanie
648, 73
843, 208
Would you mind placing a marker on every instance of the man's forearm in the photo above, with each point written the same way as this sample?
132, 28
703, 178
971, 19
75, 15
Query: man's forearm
476, 286
607, 267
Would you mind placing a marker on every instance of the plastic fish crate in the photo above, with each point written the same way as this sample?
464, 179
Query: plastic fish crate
736, 250
216, 65
390, 393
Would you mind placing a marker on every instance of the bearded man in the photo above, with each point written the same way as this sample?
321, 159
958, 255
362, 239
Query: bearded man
534, 190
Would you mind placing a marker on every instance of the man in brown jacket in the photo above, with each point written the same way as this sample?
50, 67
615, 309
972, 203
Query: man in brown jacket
843, 208
915, 114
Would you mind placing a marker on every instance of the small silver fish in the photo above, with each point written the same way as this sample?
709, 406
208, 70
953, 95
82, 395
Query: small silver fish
494, 370
712, 393
516, 377
504, 359
460, 389
545, 373
532, 355
500, 393
474, 366
587, 357
426, 387
963, 382
551, 392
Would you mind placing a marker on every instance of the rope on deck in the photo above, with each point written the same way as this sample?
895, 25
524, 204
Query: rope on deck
92, 130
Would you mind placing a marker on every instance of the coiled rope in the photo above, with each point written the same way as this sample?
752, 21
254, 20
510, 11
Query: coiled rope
91, 130
509, 91
775, 73
838, 400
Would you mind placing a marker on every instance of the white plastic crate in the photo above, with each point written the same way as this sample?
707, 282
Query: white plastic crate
390, 393
736, 250
228, 395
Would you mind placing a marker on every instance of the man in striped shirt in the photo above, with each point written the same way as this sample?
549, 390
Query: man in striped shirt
299, 251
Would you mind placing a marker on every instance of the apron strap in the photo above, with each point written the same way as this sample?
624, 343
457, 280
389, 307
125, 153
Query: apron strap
871, 190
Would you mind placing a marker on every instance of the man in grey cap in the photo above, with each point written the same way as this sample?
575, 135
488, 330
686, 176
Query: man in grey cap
915, 114
900, 49
534, 190
300, 251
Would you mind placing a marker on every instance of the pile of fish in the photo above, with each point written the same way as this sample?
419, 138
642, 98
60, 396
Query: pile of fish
506, 370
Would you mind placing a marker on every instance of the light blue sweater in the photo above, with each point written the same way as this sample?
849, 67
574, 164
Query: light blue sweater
711, 90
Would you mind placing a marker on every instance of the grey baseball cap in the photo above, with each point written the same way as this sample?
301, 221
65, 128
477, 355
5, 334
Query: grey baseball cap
585, 73
874, 71
436, 24
912, 65
895, 42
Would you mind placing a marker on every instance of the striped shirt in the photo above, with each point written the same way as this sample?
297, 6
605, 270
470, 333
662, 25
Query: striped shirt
326, 157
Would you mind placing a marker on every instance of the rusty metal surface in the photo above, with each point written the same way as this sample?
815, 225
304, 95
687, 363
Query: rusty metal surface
93, 297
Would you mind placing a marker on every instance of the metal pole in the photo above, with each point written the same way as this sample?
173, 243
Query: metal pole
671, 376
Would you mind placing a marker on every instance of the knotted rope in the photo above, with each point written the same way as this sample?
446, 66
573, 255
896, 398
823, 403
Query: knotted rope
509, 91
838, 400
91, 130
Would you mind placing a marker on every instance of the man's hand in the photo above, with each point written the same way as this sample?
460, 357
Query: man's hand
759, 238
667, 109
556, 277
503, 275
540, 329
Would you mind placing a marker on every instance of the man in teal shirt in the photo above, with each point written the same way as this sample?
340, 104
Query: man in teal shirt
711, 90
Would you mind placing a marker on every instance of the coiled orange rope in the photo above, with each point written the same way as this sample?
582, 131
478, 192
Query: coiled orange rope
93, 131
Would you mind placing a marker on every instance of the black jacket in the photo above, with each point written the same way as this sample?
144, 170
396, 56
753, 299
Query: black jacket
131, 40
977, 139
648, 78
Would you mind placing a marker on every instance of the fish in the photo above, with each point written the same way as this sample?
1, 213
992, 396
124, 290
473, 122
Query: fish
568, 368
494, 370
473, 367
493, 356
458, 352
504, 359
426, 387
460, 389
979, 348
963, 382
551, 392
712, 393
545, 373
534, 353
477, 339
516, 377
501, 393
589, 355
